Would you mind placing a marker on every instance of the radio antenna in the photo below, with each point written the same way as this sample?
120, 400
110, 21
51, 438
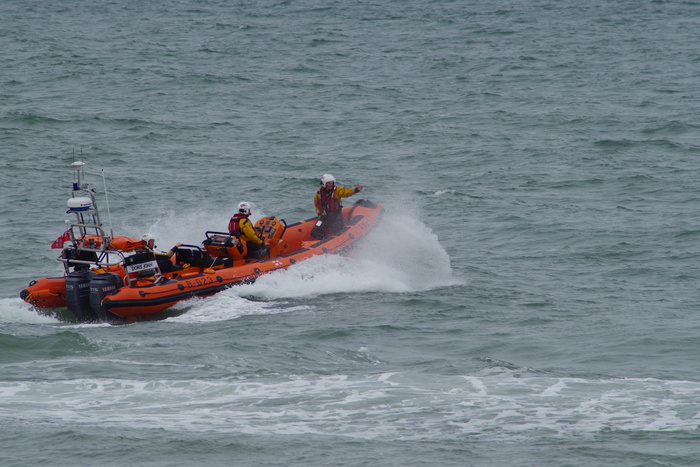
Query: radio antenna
109, 214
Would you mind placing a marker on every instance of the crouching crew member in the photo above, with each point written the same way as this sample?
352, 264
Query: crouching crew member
163, 259
241, 227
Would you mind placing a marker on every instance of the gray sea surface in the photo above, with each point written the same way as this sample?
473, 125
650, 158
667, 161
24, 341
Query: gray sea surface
530, 298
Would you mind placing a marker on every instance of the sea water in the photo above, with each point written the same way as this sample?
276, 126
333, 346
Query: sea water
529, 299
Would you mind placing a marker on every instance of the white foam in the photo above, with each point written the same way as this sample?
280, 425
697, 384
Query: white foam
397, 406
223, 306
327, 274
16, 310
446, 191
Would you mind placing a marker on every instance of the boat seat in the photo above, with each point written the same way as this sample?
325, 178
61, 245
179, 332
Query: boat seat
193, 257
196, 257
166, 265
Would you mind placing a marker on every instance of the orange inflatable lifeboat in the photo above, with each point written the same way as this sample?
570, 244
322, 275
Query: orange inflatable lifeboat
106, 279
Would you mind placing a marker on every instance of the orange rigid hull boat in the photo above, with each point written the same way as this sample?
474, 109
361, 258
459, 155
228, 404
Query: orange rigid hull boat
215, 268
117, 279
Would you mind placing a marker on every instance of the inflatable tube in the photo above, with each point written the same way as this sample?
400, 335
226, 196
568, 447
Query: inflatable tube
47, 292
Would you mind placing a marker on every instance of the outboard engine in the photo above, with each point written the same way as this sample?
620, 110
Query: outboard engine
78, 295
101, 286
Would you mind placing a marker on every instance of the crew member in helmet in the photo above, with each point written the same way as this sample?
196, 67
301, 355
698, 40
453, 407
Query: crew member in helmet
241, 227
328, 206
163, 259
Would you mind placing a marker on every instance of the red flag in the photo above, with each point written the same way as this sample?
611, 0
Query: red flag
58, 243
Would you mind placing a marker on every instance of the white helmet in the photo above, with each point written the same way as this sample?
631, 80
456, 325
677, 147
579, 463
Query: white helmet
244, 208
148, 237
327, 178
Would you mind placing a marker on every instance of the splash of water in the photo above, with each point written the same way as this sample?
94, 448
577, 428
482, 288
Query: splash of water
15, 310
400, 255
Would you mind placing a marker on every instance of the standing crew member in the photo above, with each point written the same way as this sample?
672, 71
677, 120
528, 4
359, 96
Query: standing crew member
241, 227
328, 206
